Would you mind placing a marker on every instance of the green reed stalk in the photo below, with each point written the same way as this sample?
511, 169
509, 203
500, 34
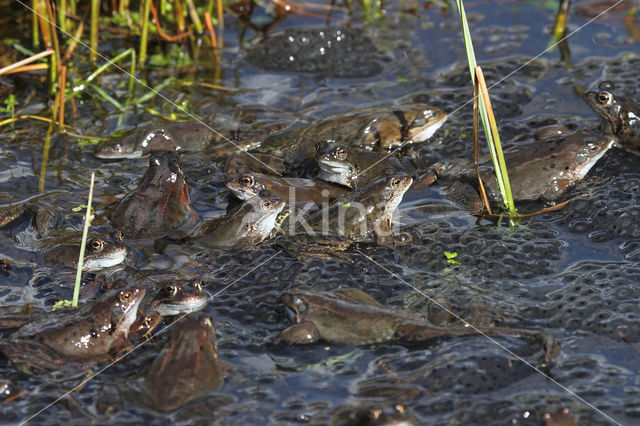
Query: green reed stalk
56, 57
93, 37
85, 232
132, 80
35, 35
490, 127
145, 31
62, 18
560, 25
45, 156
193, 13
110, 62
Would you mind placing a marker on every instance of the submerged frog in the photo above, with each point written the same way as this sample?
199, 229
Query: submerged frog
191, 136
541, 170
187, 366
620, 114
353, 167
293, 190
351, 316
99, 253
374, 129
91, 333
174, 299
245, 227
363, 215
159, 205
376, 415
261, 163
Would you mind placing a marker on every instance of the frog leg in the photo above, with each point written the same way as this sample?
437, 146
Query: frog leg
302, 333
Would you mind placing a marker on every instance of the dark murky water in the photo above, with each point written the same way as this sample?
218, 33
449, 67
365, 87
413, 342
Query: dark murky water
574, 273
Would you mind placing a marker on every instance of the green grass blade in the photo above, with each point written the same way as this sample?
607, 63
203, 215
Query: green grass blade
490, 128
85, 232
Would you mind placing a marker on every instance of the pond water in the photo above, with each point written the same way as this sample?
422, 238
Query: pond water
573, 273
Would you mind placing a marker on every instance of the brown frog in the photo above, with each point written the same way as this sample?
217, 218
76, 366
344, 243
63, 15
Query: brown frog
99, 253
159, 205
192, 136
244, 227
620, 114
292, 190
187, 366
353, 167
175, 299
351, 316
90, 334
374, 129
541, 170
364, 215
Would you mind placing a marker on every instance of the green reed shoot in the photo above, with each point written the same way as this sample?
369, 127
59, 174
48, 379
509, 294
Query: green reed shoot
62, 18
85, 232
560, 26
144, 31
93, 38
489, 125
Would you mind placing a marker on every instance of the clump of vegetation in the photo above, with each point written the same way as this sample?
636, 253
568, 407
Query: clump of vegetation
481, 97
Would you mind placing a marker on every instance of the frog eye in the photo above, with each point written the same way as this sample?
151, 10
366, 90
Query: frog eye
604, 97
198, 285
592, 148
395, 182
341, 153
266, 204
96, 245
148, 321
172, 290
246, 181
117, 147
126, 296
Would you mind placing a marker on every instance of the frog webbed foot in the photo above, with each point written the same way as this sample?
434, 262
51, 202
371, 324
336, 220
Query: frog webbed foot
303, 333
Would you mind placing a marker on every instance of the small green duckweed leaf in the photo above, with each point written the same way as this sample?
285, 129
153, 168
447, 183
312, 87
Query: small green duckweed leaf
451, 255
62, 304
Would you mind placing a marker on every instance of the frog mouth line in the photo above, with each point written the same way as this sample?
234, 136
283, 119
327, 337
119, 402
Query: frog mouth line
184, 306
105, 261
428, 131
242, 195
593, 160
334, 167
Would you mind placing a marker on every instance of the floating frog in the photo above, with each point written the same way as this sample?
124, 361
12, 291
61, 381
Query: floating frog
363, 215
541, 170
260, 163
99, 253
351, 316
91, 333
292, 190
244, 227
620, 114
376, 415
159, 205
174, 299
353, 167
374, 129
187, 366
181, 137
